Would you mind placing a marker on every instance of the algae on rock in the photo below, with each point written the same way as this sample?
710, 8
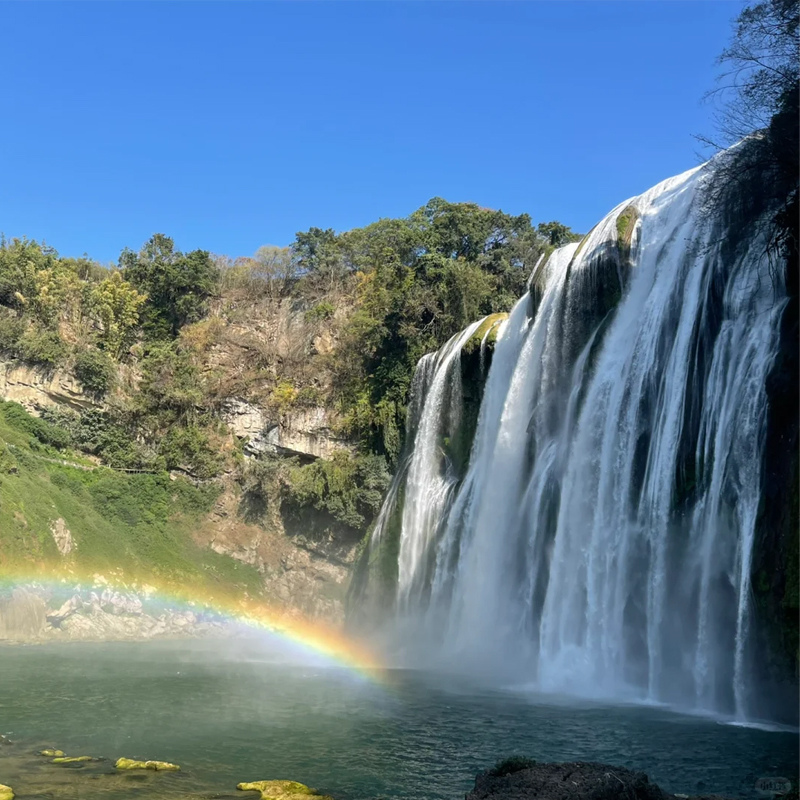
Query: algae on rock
130, 763
281, 790
74, 759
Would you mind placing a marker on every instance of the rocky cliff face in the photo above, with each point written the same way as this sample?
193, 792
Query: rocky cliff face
34, 613
36, 388
264, 355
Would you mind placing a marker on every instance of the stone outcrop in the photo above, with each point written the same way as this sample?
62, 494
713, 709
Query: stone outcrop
303, 569
570, 781
62, 536
301, 431
281, 790
36, 388
95, 614
157, 766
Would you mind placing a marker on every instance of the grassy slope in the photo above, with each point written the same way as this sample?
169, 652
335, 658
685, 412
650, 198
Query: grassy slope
140, 524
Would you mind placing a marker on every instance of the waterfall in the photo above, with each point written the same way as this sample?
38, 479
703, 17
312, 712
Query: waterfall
600, 539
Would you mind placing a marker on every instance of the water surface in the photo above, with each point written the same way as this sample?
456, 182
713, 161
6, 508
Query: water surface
229, 712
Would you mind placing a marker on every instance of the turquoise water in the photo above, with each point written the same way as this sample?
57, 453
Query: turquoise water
229, 712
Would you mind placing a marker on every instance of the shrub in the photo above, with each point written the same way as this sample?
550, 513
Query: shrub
189, 449
321, 311
11, 330
283, 396
42, 348
8, 463
349, 487
96, 432
95, 370
17, 417
261, 481
508, 766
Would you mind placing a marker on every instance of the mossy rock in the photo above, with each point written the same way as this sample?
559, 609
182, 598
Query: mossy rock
6, 792
281, 790
490, 327
626, 225
52, 753
74, 759
158, 766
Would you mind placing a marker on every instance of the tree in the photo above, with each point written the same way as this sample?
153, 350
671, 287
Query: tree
759, 91
557, 234
116, 305
178, 285
318, 257
761, 68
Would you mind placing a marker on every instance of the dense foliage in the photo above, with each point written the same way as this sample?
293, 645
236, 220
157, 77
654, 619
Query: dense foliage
139, 336
416, 282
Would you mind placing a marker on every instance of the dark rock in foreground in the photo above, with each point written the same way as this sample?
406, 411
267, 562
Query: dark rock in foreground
571, 781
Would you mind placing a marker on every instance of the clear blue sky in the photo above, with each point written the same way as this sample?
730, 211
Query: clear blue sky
229, 126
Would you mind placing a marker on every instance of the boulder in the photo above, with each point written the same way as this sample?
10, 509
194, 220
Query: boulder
281, 790
130, 763
74, 759
521, 779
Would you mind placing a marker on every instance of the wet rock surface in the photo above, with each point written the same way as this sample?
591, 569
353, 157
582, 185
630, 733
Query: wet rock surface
571, 781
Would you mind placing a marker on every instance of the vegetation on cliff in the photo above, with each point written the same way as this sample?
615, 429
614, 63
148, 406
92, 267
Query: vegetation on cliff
143, 338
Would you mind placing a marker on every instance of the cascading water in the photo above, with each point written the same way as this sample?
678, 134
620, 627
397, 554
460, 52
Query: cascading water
600, 540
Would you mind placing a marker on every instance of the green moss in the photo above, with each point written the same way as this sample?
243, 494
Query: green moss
6, 792
281, 790
52, 753
626, 225
74, 759
490, 328
158, 766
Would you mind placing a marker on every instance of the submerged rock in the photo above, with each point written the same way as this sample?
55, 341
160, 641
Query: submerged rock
5, 740
74, 759
281, 790
52, 753
6, 792
130, 763
570, 781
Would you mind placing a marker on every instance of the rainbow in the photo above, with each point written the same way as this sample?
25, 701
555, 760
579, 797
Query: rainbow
287, 625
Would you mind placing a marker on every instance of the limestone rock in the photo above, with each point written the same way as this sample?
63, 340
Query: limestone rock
74, 759
281, 790
62, 536
35, 388
130, 763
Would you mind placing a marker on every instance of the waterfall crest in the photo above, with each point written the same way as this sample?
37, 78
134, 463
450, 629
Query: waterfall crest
599, 540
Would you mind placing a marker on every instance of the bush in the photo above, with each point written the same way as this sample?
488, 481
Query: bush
510, 765
261, 481
95, 432
96, 371
283, 396
42, 348
17, 417
11, 330
321, 311
349, 487
189, 449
